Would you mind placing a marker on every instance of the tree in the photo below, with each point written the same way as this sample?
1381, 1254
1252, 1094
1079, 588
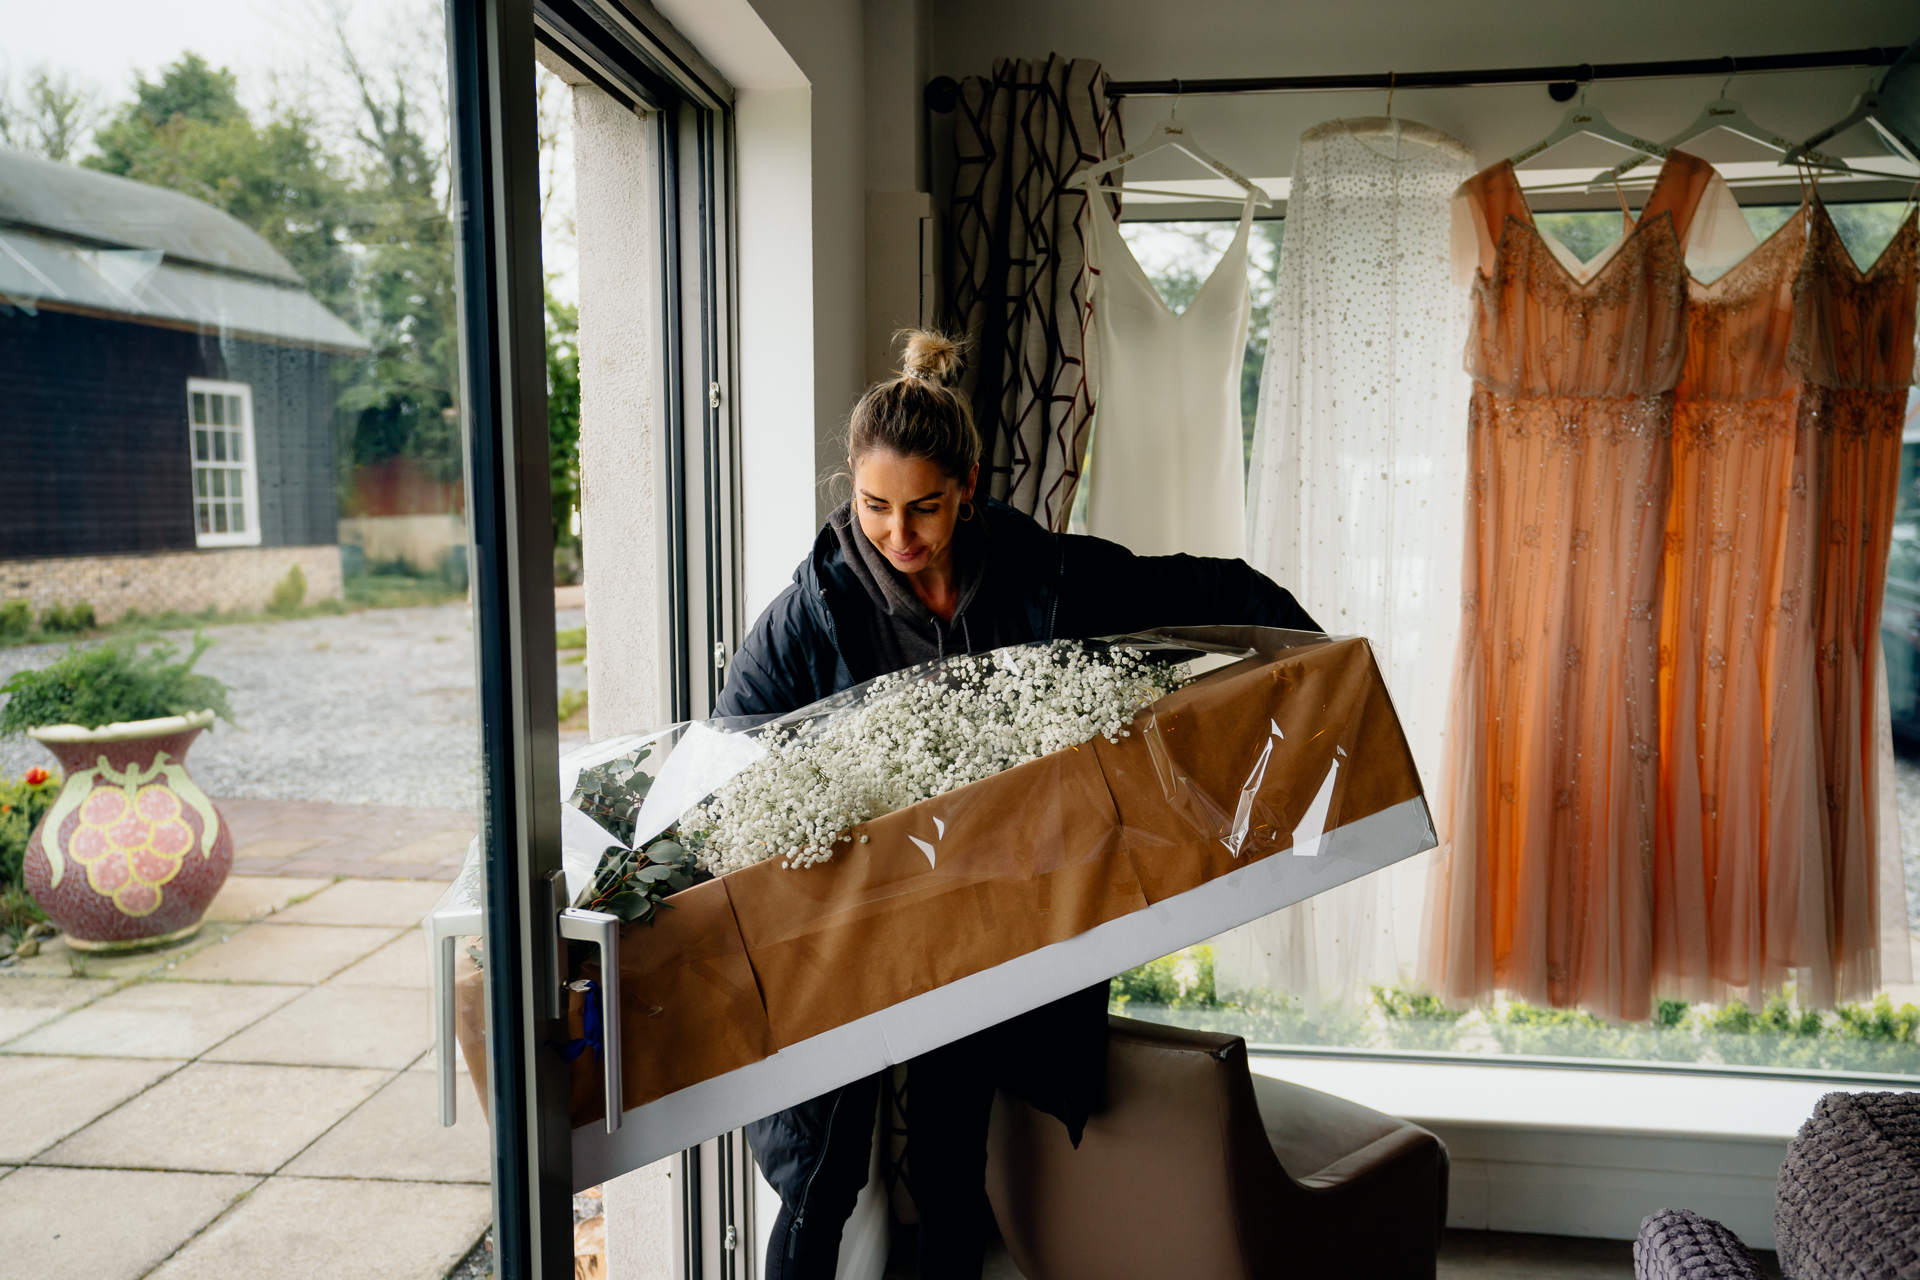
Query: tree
188, 132
402, 404
563, 416
49, 118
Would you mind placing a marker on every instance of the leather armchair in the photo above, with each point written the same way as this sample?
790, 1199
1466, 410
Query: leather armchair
1199, 1169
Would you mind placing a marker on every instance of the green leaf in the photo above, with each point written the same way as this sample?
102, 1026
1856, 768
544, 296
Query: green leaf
629, 906
679, 880
653, 875
666, 851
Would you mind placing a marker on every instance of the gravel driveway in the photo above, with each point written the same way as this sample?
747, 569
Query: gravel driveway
374, 707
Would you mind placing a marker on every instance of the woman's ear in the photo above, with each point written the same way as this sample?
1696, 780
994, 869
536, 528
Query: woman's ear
967, 485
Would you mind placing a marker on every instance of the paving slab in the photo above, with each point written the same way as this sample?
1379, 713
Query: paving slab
325, 1229
45, 1099
401, 963
397, 1134
27, 1002
442, 846
157, 1020
333, 1026
59, 960
218, 1117
105, 1224
243, 899
277, 952
368, 902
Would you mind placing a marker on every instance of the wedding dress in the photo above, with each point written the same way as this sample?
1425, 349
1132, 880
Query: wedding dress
1167, 464
1353, 495
1549, 801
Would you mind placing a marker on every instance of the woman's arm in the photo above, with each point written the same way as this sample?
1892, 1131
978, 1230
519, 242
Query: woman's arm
1105, 589
773, 673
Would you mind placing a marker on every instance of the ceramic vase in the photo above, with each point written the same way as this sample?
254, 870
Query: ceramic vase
132, 852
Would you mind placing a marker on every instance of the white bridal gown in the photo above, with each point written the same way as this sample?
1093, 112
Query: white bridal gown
1167, 462
1357, 486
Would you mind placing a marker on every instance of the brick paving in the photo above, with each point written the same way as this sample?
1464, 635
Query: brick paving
365, 841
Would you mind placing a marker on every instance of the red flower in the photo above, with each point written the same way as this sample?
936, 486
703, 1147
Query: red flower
36, 776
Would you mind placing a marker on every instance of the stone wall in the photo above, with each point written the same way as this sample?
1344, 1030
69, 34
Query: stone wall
227, 579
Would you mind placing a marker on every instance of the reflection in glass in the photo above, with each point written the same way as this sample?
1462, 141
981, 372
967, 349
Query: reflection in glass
256, 250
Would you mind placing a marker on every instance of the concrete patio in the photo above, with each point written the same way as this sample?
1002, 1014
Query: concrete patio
257, 1102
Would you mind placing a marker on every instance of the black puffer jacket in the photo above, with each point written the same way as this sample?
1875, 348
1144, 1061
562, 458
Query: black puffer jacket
1036, 586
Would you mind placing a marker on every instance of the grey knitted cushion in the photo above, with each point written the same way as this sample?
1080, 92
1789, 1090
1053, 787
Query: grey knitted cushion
1679, 1244
1848, 1203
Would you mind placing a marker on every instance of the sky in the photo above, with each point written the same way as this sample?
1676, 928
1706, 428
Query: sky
277, 49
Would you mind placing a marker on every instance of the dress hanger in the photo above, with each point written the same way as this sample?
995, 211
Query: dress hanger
1893, 109
1170, 132
1724, 113
1591, 121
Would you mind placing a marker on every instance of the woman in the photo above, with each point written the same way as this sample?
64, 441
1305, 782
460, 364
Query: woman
912, 568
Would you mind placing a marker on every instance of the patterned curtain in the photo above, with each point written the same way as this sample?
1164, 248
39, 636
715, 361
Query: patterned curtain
1019, 287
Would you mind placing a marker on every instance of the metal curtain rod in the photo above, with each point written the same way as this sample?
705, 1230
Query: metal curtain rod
1564, 79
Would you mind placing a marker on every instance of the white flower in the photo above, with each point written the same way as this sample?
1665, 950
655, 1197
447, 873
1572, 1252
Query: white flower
915, 735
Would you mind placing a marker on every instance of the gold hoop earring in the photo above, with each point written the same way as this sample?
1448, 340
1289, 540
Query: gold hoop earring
966, 511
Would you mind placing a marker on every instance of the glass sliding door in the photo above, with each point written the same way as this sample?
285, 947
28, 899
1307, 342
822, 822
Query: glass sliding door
289, 645
593, 168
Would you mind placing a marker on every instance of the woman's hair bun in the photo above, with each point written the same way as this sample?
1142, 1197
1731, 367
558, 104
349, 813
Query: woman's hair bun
931, 357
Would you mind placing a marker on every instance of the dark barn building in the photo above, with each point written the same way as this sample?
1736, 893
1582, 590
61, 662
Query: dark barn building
168, 387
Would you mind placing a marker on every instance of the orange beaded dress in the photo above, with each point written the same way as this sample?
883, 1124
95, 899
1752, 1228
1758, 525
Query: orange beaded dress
1550, 795
1853, 346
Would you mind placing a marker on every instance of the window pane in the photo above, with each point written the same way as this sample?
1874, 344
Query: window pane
233, 411
219, 445
206, 520
239, 517
237, 447
219, 484
200, 445
200, 407
219, 411
237, 483
200, 483
219, 511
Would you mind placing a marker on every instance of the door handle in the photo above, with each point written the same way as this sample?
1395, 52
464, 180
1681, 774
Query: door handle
603, 931
446, 929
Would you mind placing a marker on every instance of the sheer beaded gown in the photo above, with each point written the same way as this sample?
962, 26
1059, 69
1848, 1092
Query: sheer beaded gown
1550, 793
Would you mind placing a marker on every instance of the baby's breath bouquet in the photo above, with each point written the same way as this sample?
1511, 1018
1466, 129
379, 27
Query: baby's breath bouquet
792, 790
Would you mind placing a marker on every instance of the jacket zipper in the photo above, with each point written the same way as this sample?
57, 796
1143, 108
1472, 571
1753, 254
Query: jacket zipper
826, 1144
1059, 576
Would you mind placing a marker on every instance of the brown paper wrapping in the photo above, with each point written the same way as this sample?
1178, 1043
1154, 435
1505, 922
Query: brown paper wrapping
766, 957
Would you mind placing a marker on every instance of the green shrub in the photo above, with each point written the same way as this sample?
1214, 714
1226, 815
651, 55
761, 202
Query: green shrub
571, 701
1183, 980
110, 683
289, 593
572, 638
81, 617
53, 619
22, 802
16, 619
1878, 1022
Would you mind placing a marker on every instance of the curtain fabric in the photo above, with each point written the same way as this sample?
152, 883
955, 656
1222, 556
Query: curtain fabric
1020, 283
1353, 492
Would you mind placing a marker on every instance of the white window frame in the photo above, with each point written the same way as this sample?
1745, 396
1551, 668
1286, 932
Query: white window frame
250, 495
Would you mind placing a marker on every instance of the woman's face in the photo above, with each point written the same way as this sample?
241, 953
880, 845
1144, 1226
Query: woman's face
908, 507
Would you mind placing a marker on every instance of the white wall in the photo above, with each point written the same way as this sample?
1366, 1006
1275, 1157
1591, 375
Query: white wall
1144, 39
620, 431
778, 410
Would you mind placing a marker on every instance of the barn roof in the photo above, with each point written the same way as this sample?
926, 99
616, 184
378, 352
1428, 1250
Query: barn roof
72, 239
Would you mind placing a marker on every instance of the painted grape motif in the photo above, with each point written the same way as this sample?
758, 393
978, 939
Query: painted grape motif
131, 842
